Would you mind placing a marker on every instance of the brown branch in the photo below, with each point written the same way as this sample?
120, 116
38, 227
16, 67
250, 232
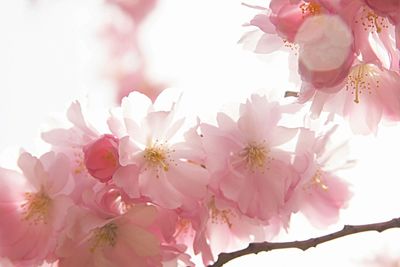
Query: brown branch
291, 93
305, 244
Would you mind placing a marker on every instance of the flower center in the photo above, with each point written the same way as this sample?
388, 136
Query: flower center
79, 164
219, 216
255, 155
310, 8
109, 156
371, 21
317, 180
360, 79
182, 227
36, 208
104, 236
157, 156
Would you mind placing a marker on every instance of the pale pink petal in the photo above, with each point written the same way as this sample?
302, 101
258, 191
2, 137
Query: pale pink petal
156, 186
142, 215
62, 137
12, 184
189, 178
127, 178
280, 135
58, 174
33, 170
135, 106
135, 131
268, 43
127, 151
75, 116
143, 243
116, 124
262, 21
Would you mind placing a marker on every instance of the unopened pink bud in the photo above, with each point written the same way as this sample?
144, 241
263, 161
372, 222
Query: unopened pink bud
101, 157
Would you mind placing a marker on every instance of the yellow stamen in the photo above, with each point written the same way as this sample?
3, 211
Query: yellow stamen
360, 79
110, 157
156, 156
317, 180
104, 236
371, 21
79, 165
37, 207
310, 8
255, 155
182, 226
219, 216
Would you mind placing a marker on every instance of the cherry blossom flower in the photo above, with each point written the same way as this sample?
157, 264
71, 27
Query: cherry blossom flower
124, 240
243, 157
216, 225
368, 95
366, 23
160, 169
33, 207
320, 194
94, 156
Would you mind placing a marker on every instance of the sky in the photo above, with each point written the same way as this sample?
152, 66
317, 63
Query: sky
51, 54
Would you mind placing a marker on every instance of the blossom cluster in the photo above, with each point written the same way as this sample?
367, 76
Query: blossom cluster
347, 54
153, 192
127, 64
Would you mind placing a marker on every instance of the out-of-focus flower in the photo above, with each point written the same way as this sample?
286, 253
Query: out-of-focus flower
33, 208
325, 54
137, 10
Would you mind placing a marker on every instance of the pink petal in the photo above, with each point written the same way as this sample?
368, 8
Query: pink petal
127, 179
268, 43
157, 187
189, 179
75, 116
143, 243
142, 215
58, 174
33, 170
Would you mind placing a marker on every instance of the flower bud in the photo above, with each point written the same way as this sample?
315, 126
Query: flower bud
101, 157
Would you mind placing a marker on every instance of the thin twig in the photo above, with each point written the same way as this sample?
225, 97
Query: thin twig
305, 244
291, 93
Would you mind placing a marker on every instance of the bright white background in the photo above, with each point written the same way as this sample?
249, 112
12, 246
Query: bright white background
50, 54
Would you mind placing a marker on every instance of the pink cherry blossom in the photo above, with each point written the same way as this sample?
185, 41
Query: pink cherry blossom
320, 194
101, 157
33, 207
165, 171
244, 159
215, 226
94, 157
368, 95
124, 240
